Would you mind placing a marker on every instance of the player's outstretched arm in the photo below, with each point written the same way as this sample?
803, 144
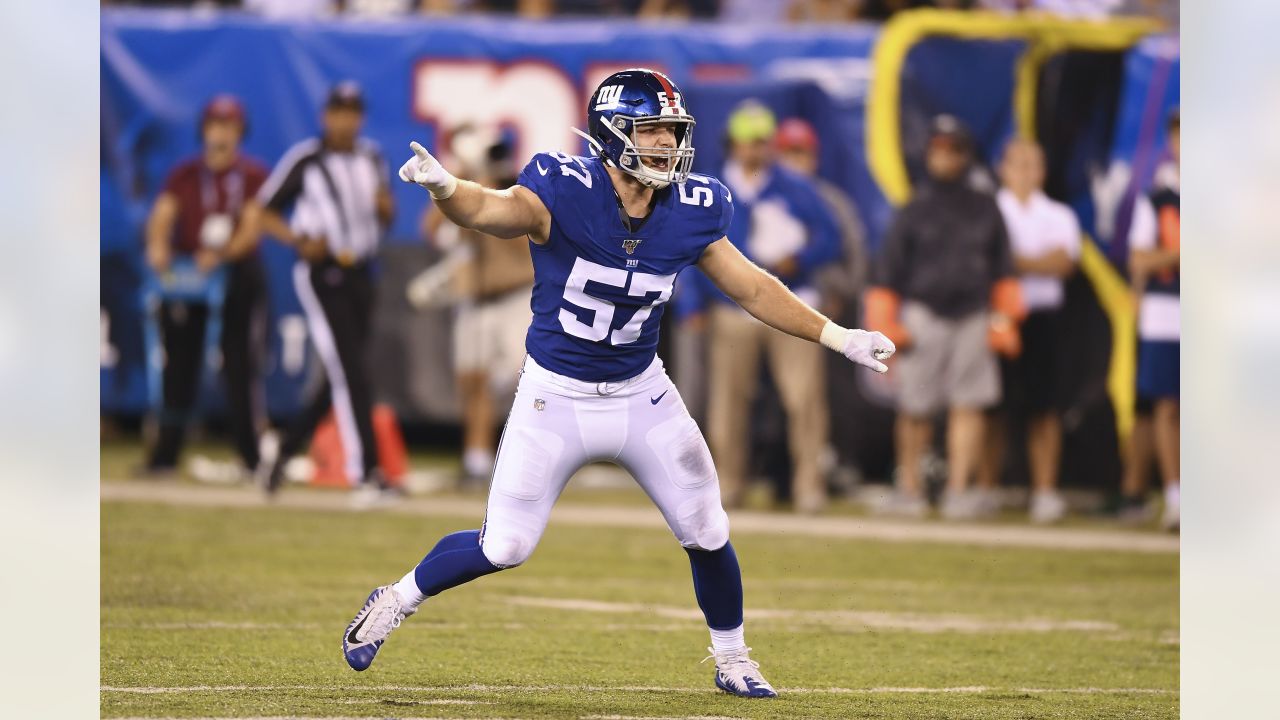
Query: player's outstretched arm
509, 213
766, 298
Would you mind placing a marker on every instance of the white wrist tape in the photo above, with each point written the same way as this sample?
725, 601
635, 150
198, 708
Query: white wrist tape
445, 189
833, 336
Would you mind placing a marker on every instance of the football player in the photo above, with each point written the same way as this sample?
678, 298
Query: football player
608, 234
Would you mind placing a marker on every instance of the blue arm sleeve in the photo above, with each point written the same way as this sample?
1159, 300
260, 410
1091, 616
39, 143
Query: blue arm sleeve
726, 211
539, 176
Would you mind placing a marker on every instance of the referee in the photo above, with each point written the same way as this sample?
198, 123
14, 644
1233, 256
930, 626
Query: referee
337, 189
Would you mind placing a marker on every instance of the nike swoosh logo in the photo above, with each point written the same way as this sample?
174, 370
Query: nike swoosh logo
351, 636
655, 401
541, 169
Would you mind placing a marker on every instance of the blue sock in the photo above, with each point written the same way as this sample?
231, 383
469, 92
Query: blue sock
455, 560
717, 581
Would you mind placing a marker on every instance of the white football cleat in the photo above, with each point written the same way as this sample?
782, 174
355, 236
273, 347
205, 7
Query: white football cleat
738, 674
382, 613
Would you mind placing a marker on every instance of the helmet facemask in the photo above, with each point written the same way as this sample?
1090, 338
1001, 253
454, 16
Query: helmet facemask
632, 159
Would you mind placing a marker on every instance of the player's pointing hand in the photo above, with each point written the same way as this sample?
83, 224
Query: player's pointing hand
426, 171
864, 347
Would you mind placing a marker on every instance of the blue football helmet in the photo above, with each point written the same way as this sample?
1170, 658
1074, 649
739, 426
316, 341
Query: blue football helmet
631, 99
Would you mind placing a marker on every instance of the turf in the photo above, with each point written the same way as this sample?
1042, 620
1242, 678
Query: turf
250, 606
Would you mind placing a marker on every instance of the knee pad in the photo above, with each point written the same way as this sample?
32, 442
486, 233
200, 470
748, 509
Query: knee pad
707, 529
506, 549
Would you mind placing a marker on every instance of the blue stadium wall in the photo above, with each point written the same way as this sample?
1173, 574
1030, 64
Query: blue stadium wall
423, 76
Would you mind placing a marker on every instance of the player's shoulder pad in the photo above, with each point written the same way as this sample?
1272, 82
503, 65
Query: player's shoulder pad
719, 190
553, 176
556, 167
705, 202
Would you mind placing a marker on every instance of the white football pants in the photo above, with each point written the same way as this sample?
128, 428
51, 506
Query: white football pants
558, 424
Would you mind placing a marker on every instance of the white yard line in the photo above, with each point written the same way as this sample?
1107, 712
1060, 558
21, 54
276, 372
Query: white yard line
857, 528
852, 618
438, 701
970, 689
214, 625
652, 717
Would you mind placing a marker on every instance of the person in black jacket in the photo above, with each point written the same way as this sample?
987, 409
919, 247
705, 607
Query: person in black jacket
944, 263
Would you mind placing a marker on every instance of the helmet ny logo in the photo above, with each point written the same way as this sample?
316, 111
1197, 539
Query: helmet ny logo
609, 97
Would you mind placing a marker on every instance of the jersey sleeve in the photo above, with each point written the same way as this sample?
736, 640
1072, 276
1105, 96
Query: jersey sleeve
725, 199
540, 176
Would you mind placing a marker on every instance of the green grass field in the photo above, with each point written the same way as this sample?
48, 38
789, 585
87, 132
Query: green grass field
217, 612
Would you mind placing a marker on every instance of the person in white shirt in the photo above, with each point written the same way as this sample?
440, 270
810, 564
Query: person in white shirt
1154, 269
1045, 239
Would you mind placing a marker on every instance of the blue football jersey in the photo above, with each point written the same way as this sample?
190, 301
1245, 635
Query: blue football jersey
599, 289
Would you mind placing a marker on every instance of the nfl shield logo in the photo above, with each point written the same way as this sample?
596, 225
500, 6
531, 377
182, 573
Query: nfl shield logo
630, 245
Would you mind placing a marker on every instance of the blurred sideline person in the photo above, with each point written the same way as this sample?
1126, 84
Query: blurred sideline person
842, 283
1045, 238
198, 216
1154, 264
782, 224
494, 282
337, 188
945, 289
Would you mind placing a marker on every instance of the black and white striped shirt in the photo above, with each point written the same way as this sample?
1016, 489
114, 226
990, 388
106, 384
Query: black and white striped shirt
333, 194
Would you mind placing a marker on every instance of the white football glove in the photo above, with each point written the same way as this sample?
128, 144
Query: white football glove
860, 346
426, 171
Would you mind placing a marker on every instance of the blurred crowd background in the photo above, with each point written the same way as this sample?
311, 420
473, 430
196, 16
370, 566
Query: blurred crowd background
723, 10
994, 184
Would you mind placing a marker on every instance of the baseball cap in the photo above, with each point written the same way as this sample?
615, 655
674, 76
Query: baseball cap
949, 131
751, 121
796, 134
346, 94
223, 107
